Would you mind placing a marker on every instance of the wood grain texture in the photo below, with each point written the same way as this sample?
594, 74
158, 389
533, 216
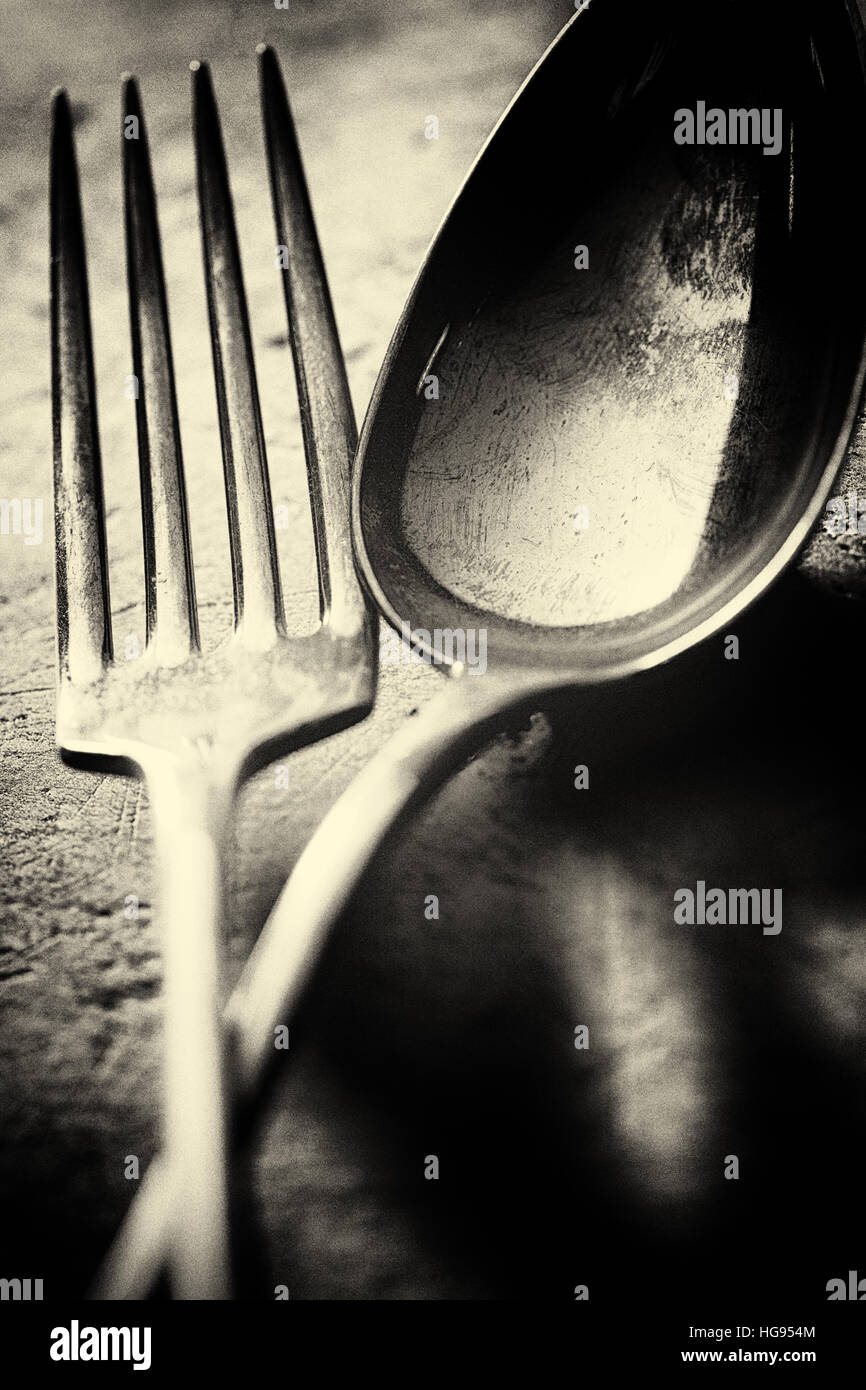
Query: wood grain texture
451, 1037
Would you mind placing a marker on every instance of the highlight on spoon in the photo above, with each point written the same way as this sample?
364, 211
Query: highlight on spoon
629, 367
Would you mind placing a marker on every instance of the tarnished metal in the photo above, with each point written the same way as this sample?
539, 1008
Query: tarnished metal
195, 723
562, 385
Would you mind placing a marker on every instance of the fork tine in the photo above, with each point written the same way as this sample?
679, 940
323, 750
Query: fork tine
170, 586
327, 417
83, 607
255, 573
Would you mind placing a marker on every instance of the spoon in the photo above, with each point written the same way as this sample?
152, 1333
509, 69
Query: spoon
597, 469
611, 413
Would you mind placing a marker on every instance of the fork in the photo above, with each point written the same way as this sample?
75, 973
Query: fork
195, 723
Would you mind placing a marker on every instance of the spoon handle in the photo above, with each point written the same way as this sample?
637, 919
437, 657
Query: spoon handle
414, 762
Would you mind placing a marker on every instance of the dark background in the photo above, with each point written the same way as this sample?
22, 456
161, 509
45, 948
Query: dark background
453, 1037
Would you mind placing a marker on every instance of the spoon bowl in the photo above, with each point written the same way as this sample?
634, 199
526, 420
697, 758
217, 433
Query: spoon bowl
628, 371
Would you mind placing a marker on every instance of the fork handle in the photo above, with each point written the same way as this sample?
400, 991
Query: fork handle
416, 760
190, 826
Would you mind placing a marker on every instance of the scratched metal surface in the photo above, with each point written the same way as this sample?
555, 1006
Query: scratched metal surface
451, 1037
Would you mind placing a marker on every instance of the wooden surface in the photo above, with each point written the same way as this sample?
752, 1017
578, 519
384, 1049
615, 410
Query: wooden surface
451, 1037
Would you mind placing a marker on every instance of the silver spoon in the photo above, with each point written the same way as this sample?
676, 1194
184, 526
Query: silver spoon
587, 471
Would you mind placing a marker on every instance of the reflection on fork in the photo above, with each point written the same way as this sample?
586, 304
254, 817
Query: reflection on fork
196, 723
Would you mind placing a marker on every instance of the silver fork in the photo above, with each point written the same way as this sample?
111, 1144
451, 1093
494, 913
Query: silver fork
193, 723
